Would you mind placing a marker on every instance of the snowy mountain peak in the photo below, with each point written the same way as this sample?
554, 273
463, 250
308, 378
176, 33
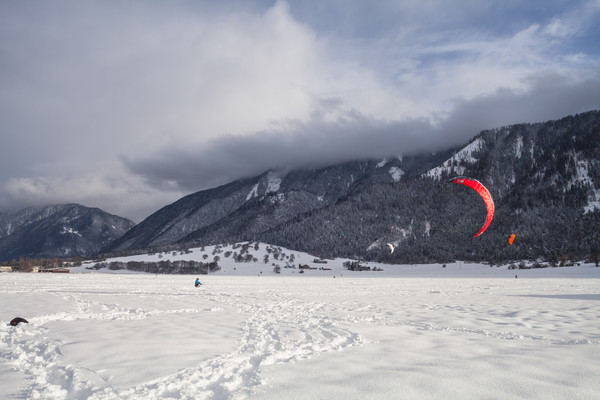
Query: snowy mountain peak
519, 146
253, 192
273, 183
396, 173
58, 231
455, 164
69, 231
382, 163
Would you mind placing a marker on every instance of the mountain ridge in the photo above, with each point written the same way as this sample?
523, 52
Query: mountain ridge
545, 178
61, 230
302, 190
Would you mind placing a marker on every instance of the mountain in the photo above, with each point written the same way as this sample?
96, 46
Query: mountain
545, 180
544, 177
58, 231
255, 205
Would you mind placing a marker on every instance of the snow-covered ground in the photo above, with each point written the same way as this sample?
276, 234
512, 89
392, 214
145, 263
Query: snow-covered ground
467, 331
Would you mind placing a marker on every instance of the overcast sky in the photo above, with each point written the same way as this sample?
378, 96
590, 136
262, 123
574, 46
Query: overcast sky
130, 105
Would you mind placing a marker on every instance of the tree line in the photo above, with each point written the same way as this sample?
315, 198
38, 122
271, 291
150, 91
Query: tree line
182, 267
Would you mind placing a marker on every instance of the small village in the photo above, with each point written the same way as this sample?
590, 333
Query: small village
41, 265
36, 269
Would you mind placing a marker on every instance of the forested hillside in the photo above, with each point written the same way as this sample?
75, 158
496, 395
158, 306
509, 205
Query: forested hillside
544, 178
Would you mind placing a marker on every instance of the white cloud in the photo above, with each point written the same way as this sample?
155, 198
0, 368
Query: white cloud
128, 197
88, 84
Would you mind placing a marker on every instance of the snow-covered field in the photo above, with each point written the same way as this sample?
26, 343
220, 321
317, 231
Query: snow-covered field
467, 331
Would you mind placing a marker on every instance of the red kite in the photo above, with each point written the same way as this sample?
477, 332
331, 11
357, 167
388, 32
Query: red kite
485, 195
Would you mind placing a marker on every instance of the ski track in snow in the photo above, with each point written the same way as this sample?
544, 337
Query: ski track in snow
280, 325
277, 330
234, 374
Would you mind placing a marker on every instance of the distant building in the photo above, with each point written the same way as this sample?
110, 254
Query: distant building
6, 269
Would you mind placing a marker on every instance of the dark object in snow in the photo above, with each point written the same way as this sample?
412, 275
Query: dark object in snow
16, 321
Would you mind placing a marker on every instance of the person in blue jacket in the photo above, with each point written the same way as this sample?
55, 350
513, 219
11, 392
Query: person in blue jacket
197, 283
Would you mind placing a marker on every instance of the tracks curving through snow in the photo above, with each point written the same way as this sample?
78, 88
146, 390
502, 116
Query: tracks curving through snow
228, 335
276, 328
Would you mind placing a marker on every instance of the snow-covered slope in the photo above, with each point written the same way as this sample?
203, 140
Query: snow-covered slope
260, 259
455, 164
